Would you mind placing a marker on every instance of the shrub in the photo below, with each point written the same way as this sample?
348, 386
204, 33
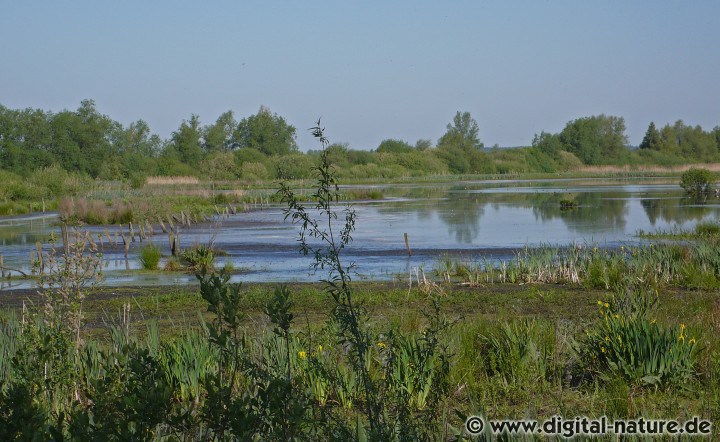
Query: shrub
150, 257
696, 181
253, 171
200, 258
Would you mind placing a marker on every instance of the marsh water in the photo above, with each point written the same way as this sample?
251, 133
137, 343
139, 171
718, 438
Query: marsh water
473, 220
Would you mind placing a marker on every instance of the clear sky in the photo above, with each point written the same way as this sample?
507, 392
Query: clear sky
371, 69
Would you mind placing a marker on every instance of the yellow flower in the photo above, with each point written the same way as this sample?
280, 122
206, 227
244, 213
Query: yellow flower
319, 348
302, 354
602, 349
607, 339
607, 305
616, 316
653, 321
682, 327
622, 248
681, 338
381, 345
600, 303
692, 340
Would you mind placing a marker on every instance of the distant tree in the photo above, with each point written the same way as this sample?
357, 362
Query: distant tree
394, 146
218, 137
460, 147
668, 139
694, 143
423, 145
547, 143
186, 142
339, 154
651, 140
463, 129
267, 132
136, 139
595, 140
81, 139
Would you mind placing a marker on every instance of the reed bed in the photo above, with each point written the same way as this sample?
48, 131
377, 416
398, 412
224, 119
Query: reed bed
714, 167
689, 265
171, 180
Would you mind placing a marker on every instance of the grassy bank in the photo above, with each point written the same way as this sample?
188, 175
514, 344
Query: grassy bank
513, 351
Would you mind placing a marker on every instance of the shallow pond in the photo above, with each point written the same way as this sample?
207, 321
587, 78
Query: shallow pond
486, 220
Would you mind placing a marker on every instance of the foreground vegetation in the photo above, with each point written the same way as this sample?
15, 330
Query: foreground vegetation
628, 334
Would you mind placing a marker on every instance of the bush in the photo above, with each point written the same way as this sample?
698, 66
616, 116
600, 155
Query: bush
253, 171
200, 258
697, 181
150, 257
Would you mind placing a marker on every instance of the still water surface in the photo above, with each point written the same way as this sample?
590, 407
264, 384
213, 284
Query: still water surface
473, 220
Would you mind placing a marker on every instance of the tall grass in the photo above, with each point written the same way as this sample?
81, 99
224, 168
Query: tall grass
693, 265
150, 257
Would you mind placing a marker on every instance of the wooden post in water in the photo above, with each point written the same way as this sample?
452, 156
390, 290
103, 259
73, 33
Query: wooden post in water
126, 243
162, 226
407, 244
2, 267
171, 239
176, 246
132, 232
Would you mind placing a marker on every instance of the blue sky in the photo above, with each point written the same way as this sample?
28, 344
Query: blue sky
372, 70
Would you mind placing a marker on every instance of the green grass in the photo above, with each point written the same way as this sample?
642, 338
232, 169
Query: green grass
150, 257
511, 346
709, 230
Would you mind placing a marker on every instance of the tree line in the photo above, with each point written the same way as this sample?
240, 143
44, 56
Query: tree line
264, 146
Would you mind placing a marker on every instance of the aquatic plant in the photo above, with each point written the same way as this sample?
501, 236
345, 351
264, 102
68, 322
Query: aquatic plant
150, 257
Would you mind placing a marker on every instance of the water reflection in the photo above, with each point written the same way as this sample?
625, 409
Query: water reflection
486, 219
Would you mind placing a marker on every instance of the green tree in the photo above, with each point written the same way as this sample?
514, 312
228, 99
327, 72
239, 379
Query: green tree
694, 143
595, 140
547, 143
81, 139
423, 145
460, 147
463, 129
394, 146
218, 137
651, 140
267, 132
186, 141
